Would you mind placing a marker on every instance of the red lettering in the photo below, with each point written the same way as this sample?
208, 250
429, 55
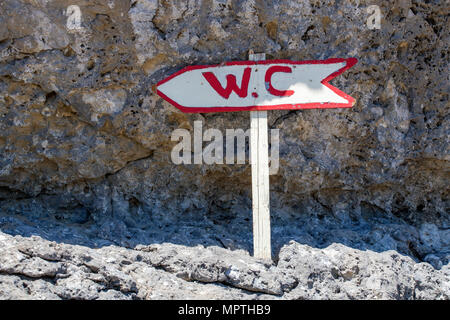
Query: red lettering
231, 84
268, 80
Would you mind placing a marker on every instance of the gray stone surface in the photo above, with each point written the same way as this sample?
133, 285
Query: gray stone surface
34, 268
85, 153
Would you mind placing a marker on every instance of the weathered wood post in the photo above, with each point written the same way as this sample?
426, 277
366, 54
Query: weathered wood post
259, 148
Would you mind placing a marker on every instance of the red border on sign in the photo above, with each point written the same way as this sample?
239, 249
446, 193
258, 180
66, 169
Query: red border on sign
350, 62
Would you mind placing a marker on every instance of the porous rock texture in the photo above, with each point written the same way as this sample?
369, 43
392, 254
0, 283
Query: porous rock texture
91, 206
33, 268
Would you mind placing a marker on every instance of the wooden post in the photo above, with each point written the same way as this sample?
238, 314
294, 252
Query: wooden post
259, 148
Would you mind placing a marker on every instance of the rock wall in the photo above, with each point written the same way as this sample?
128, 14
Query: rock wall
85, 142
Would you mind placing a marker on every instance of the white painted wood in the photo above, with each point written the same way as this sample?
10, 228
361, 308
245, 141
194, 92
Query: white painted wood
191, 90
259, 148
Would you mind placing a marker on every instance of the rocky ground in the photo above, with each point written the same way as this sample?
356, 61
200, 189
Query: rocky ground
49, 260
34, 268
91, 205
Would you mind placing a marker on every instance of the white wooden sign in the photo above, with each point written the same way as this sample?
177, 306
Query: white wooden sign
257, 85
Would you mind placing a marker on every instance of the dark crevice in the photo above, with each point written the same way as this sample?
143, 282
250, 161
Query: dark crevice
283, 117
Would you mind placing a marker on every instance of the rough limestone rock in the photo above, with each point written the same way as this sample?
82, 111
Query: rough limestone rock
91, 206
34, 268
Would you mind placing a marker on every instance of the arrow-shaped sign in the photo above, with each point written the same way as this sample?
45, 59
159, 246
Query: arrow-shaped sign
257, 85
